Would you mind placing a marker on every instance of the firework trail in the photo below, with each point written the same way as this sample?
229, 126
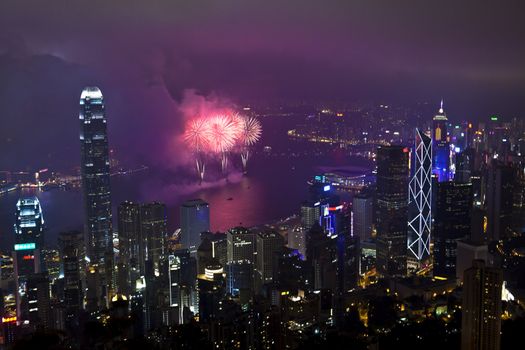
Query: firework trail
197, 136
250, 133
224, 131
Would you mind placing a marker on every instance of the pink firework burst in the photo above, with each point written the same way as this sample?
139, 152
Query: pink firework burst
251, 130
197, 134
224, 130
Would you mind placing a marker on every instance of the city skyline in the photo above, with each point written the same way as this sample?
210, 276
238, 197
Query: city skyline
262, 176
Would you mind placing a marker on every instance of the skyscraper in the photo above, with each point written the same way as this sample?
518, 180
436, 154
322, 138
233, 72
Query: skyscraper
71, 252
500, 201
174, 277
420, 199
297, 240
392, 201
95, 175
38, 299
131, 255
269, 244
195, 219
464, 165
363, 207
310, 214
154, 230
441, 151
29, 228
241, 245
481, 320
452, 222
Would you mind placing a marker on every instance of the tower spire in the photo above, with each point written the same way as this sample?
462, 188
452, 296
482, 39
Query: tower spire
441, 111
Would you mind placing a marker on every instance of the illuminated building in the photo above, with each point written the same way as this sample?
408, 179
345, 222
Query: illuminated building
392, 202
51, 261
452, 222
321, 254
213, 246
154, 230
29, 228
174, 277
240, 280
363, 217
368, 256
9, 329
71, 250
320, 190
310, 213
241, 245
464, 165
440, 147
269, 244
195, 219
297, 240
481, 310
131, 254
345, 180
39, 300
95, 175
420, 199
349, 261
142, 232
212, 288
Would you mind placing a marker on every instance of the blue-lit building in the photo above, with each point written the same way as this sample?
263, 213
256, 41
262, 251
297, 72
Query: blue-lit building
95, 175
29, 237
194, 219
440, 146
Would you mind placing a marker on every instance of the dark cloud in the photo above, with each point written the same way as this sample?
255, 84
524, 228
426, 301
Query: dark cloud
146, 55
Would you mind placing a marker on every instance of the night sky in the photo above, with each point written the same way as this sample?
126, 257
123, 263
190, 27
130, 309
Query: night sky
154, 60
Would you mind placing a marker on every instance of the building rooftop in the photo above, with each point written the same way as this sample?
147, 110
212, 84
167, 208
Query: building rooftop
194, 203
91, 92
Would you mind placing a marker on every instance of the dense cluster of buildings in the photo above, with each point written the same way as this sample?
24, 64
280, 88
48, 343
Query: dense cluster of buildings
429, 241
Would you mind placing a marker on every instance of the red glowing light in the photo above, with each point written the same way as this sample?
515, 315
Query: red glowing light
28, 257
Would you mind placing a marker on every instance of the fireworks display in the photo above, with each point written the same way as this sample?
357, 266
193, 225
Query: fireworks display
250, 133
218, 135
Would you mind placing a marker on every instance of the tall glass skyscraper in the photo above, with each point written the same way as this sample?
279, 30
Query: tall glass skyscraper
420, 198
95, 175
29, 228
452, 222
392, 202
154, 230
194, 219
